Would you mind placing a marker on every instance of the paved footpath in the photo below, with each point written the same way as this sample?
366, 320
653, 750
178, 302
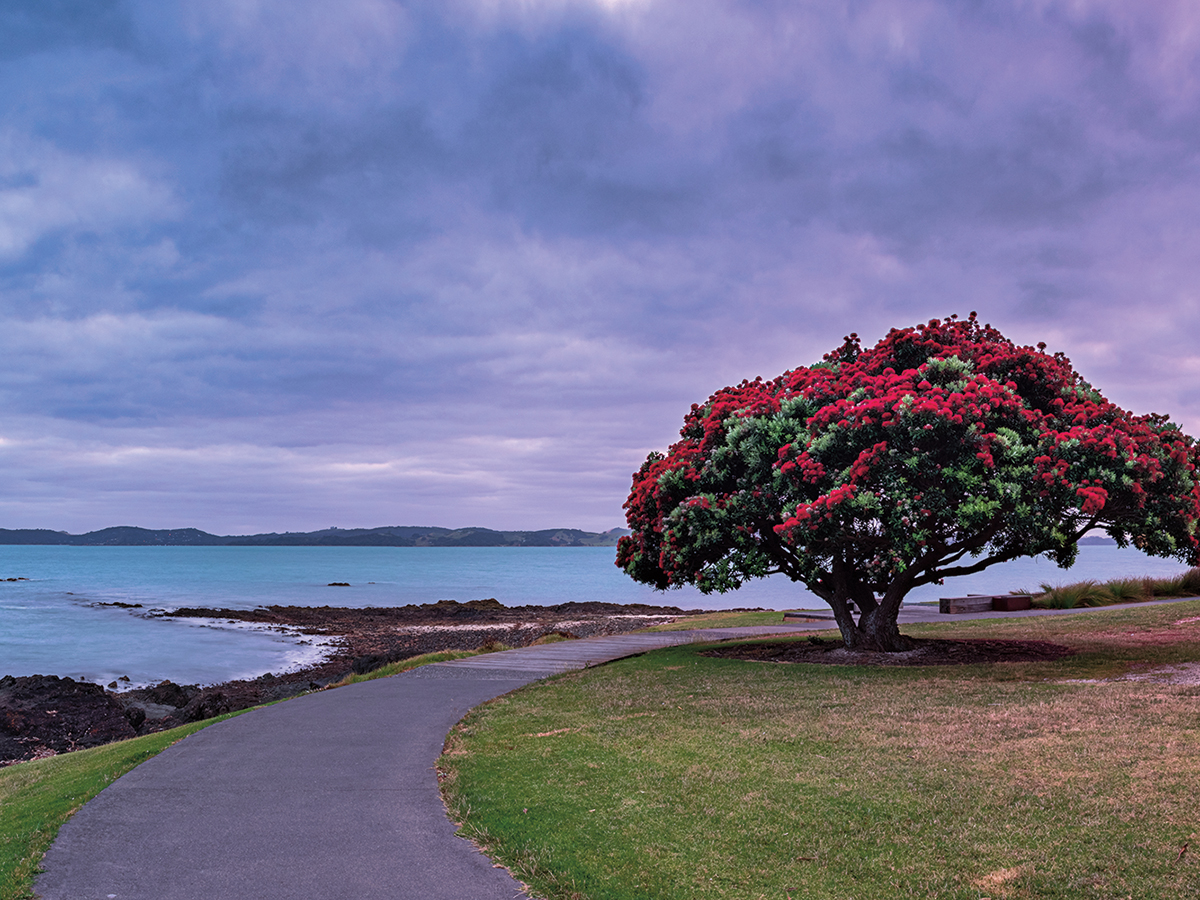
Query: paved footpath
327, 796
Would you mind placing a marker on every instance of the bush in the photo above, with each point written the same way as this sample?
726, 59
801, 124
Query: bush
1071, 596
1129, 590
1120, 590
1191, 582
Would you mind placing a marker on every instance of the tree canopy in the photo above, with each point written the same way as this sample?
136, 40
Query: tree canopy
940, 451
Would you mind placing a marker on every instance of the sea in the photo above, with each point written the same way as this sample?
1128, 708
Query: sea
62, 618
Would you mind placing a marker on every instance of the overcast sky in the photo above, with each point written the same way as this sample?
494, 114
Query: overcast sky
277, 265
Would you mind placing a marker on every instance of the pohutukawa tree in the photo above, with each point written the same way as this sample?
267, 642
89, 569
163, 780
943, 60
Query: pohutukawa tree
940, 451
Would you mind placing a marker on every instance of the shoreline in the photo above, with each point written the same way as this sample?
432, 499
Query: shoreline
44, 715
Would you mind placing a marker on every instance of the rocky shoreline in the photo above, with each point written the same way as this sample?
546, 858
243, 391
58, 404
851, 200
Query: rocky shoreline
43, 715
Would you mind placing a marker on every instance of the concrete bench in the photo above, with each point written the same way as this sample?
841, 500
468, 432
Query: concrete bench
974, 603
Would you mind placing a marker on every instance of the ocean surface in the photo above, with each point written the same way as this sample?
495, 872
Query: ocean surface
53, 623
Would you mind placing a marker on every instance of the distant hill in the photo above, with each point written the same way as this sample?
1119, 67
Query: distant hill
387, 536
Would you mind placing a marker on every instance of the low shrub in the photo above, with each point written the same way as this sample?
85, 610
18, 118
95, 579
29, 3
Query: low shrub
1129, 590
1119, 590
1191, 581
1071, 596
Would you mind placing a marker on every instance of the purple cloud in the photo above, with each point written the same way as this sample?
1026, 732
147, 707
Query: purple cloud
281, 265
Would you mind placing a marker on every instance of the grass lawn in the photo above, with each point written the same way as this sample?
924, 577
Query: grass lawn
675, 775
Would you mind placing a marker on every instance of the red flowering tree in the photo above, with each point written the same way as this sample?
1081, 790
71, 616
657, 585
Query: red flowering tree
940, 451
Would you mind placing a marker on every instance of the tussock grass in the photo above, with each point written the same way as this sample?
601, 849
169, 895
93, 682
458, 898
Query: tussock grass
1121, 590
674, 775
36, 797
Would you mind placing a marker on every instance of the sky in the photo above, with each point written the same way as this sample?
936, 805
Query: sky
273, 265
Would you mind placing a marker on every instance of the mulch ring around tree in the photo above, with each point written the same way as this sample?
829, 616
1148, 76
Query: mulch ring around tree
924, 653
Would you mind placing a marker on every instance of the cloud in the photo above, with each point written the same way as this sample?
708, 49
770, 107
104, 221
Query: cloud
282, 264
44, 190
300, 54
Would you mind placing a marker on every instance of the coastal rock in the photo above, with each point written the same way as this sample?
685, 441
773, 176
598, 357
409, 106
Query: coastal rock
168, 693
209, 704
42, 715
159, 707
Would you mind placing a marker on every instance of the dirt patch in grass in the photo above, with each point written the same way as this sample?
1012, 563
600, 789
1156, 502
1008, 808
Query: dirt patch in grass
924, 652
1184, 631
1185, 674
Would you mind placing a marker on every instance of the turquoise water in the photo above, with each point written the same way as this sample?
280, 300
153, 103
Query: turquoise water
51, 624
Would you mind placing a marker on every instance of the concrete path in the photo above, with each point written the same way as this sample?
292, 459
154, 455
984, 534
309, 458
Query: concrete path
328, 796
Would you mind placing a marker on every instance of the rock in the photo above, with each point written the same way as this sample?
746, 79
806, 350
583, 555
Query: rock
143, 712
44, 714
209, 704
487, 603
168, 693
158, 707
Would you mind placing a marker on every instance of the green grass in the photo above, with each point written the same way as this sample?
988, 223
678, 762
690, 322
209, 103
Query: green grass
405, 664
675, 775
37, 797
722, 620
1121, 590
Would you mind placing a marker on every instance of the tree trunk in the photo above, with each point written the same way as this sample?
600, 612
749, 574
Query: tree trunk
878, 631
876, 628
